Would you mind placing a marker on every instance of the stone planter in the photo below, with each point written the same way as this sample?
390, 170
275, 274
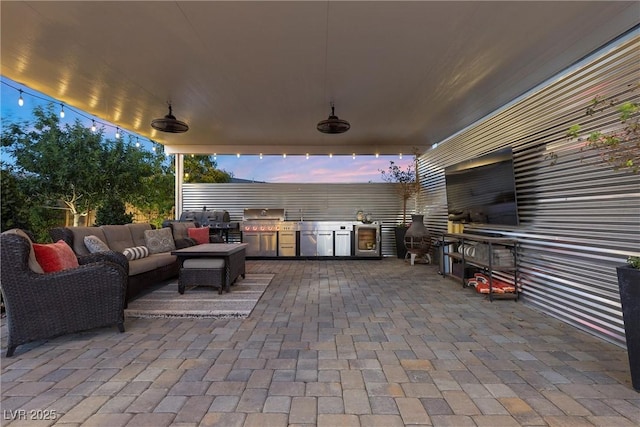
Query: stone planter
629, 284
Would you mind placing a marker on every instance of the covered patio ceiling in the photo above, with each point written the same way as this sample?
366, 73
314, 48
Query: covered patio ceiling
256, 77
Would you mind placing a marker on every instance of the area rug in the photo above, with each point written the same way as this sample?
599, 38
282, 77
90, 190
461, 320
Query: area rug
201, 301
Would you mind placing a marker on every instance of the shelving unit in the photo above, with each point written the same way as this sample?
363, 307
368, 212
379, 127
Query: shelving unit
489, 260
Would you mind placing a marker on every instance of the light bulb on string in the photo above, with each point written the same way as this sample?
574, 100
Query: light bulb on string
117, 133
20, 100
260, 156
153, 148
137, 142
61, 111
307, 156
93, 126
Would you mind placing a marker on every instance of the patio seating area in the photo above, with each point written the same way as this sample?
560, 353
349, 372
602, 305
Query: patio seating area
331, 343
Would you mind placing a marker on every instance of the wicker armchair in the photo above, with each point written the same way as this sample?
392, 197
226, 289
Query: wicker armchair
41, 306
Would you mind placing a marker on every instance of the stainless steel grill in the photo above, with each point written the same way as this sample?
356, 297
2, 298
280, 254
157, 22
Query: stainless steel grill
260, 231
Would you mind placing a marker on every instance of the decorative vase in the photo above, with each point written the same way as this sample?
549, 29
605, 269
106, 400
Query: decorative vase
629, 284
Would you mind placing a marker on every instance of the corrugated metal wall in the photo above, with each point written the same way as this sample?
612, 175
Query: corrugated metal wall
312, 202
579, 219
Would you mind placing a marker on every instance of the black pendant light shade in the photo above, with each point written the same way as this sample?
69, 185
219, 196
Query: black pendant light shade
169, 124
333, 124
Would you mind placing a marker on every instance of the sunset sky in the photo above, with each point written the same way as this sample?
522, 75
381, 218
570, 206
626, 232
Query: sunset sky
292, 169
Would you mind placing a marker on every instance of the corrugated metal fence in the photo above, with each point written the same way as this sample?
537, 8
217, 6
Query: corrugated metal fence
579, 219
311, 202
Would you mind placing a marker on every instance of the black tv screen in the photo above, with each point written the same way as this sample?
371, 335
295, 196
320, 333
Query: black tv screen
483, 190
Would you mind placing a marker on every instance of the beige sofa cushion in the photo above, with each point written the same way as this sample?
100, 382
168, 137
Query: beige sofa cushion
180, 229
79, 234
151, 262
137, 232
118, 237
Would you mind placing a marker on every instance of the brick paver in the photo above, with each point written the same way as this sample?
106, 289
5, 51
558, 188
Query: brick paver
331, 343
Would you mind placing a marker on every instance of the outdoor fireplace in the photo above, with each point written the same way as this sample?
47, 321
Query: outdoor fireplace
417, 240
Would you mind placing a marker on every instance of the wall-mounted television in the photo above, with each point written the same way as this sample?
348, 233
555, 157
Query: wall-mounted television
483, 190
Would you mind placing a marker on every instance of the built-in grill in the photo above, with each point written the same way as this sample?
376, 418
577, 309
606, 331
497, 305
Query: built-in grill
260, 231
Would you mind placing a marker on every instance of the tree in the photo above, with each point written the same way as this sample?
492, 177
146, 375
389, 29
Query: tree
203, 169
14, 207
407, 181
112, 211
62, 160
74, 165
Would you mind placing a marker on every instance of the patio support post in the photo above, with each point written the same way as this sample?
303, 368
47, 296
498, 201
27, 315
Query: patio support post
179, 168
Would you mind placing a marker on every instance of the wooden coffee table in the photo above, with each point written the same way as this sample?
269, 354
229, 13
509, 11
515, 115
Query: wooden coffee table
233, 255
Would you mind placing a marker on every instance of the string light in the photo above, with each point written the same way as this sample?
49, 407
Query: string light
260, 156
377, 155
284, 156
353, 156
307, 156
400, 156
22, 94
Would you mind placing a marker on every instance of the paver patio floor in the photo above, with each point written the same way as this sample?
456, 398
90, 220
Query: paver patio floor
331, 343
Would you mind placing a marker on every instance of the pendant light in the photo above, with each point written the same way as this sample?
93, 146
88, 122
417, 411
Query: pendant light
333, 124
169, 124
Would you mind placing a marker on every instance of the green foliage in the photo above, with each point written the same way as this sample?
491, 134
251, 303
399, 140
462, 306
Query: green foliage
73, 165
112, 211
203, 169
621, 147
13, 204
634, 261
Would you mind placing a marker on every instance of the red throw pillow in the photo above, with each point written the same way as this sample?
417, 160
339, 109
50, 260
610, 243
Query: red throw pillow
200, 235
55, 256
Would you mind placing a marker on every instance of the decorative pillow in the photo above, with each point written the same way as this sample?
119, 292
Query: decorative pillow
55, 256
94, 244
200, 235
160, 240
136, 252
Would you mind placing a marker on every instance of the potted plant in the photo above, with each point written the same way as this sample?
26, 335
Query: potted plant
408, 186
629, 285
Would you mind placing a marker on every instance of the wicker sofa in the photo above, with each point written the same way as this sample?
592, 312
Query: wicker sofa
43, 305
143, 272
